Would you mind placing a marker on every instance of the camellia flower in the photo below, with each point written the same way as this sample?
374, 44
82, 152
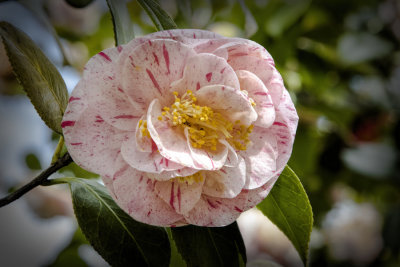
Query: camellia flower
184, 126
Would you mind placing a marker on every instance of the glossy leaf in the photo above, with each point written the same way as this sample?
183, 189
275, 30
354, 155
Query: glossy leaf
123, 26
119, 239
210, 246
160, 18
176, 257
288, 207
37, 75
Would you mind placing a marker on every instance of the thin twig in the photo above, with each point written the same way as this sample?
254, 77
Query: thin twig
39, 180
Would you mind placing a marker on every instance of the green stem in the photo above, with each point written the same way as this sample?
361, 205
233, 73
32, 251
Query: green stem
58, 150
41, 179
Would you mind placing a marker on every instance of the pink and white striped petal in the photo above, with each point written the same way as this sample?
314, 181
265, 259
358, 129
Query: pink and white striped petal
227, 182
232, 158
151, 67
207, 160
136, 195
205, 69
232, 103
171, 143
238, 47
264, 70
151, 162
92, 143
284, 129
259, 93
260, 157
103, 88
257, 195
212, 211
180, 196
167, 175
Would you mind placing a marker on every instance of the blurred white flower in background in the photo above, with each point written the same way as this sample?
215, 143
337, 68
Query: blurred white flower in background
353, 232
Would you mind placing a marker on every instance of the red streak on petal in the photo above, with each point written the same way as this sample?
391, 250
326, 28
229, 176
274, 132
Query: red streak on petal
239, 210
222, 170
156, 58
197, 86
99, 119
240, 54
208, 76
280, 124
166, 57
133, 64
150, 43
122, 91
179, 196
155, 165
67, 123
219, 202
104, 55
166, 162
141, 178
148, 214
211, 204
76, 144
156, 85
120, 172
119, 48
153, 146
260, 93
73, 99
126, 117
222, 71
194, 35
172, 198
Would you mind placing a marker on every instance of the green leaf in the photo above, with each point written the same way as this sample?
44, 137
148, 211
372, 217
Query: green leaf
74, 170
37, 75
123, 26
285, 17
176, 257
210, 246
119, 239
32, 162
160, 18
288, 207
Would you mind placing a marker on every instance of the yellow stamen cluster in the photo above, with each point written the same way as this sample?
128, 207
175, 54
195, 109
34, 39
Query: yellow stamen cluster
143, 128
205, 126
195, 178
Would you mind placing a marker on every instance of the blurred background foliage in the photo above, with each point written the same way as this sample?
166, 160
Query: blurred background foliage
340, 60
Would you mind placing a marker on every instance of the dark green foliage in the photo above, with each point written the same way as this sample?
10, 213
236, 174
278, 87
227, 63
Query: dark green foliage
210, 246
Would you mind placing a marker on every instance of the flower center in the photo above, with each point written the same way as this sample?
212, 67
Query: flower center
205, 126
194, 178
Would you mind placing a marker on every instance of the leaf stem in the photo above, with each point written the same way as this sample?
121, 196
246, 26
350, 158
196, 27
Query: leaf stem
57, 152
39, 180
